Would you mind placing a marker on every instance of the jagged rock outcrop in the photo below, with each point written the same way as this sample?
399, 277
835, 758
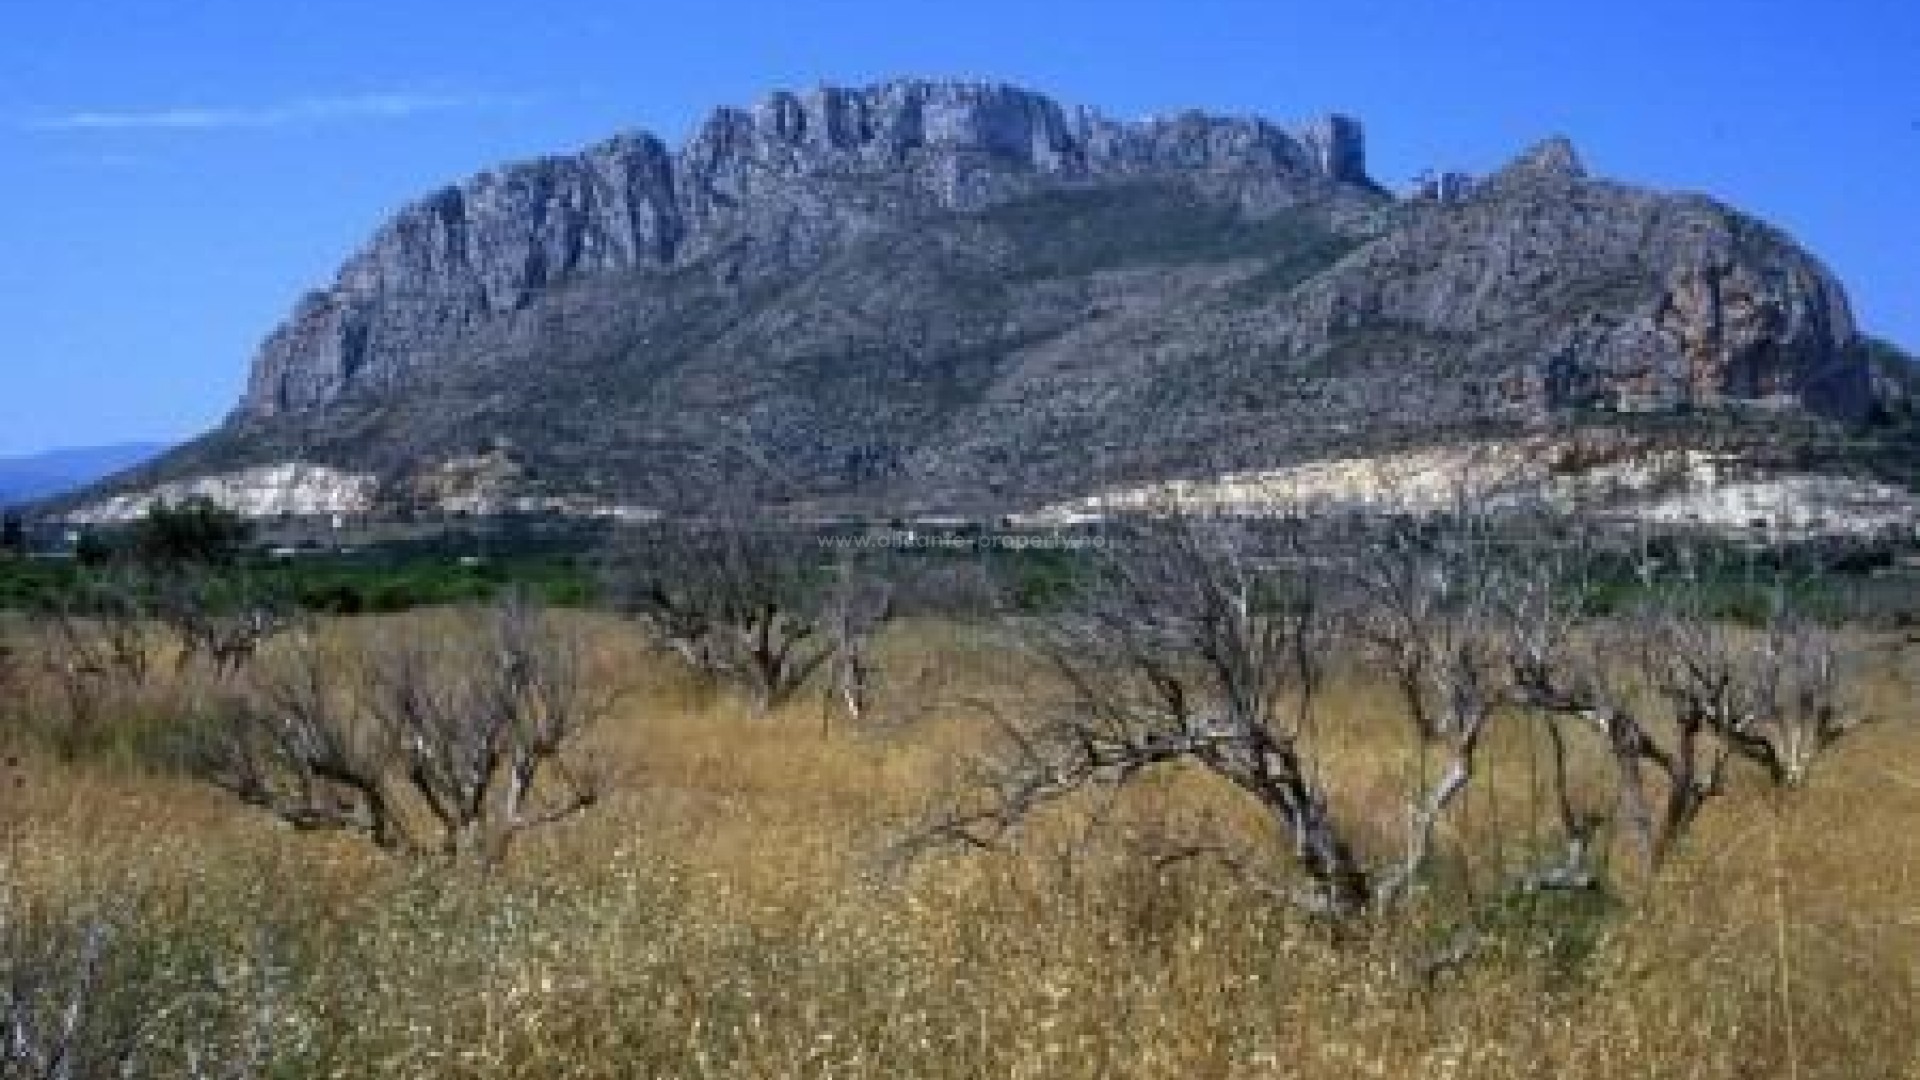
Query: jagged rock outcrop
954, 296
1552, 161
1578, 293
776, 176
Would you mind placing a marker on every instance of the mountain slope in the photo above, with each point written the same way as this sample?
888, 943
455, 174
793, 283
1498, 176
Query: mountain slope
37, 476
958, 297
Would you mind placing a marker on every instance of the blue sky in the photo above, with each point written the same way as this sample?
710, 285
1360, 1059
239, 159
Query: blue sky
173, 176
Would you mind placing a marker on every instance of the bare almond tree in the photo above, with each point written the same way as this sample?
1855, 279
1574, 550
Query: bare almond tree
1428, 600
1802, 699
453, 742
858, 605
752, 607
296, 744
480, 725
1676, 691
1186, 648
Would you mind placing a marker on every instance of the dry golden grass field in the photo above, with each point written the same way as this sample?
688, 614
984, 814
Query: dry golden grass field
729, 909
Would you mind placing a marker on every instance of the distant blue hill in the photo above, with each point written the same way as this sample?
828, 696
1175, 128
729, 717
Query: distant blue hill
36, 476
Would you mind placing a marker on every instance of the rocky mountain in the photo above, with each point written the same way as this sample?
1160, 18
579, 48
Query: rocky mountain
958, 297
775, 189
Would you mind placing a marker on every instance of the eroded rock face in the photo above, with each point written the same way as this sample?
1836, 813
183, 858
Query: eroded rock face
775, 177
1589, 294
466, 254
1760, 332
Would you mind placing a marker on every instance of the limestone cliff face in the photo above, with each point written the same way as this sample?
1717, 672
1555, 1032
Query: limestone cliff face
1761, 331
785, 177
465, 254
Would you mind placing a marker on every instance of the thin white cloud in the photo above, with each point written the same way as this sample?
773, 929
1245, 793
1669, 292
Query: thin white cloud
388, 105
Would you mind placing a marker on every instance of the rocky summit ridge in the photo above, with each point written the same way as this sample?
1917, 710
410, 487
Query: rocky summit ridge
783, 177
930, 296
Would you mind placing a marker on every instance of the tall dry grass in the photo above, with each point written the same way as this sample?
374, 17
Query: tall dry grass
727, 912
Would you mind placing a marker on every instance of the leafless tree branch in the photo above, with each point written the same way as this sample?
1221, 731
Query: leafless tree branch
467, 731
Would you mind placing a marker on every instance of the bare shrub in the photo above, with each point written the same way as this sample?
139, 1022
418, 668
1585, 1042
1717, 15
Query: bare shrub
102, 644
454, 742
58, 1021
219, 617
96, 645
